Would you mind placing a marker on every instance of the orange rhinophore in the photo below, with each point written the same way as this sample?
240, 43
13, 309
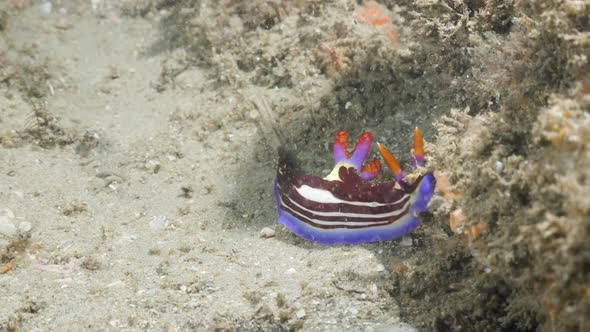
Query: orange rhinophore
418, 147
391, 162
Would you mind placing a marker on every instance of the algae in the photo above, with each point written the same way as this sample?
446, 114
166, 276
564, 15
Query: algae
504, 84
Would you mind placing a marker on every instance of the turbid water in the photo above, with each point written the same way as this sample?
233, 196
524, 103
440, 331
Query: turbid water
138, 150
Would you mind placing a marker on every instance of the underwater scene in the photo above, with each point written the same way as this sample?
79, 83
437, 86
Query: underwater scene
294, 165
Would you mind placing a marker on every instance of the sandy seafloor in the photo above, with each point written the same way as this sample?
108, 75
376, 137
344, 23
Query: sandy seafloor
138, 148
116, 244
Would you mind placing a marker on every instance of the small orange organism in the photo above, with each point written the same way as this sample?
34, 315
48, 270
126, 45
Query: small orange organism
375, 15
7, 267
457, 220
460, 225
444, 188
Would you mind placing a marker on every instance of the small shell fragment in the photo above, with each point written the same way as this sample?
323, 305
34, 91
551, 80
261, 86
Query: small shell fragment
158, 222
152, 166
300, 313
499, 167
25, 227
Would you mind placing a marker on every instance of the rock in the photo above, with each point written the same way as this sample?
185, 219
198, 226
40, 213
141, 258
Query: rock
7, 227
63, 23
89, 141
152, 166
7, 213
158, 222
45, 7
406, 241
267, 232
25, 227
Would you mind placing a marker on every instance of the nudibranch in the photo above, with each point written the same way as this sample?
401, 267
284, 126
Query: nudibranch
346, 207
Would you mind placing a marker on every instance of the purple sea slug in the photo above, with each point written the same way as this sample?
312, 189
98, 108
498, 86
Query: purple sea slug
346, 207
